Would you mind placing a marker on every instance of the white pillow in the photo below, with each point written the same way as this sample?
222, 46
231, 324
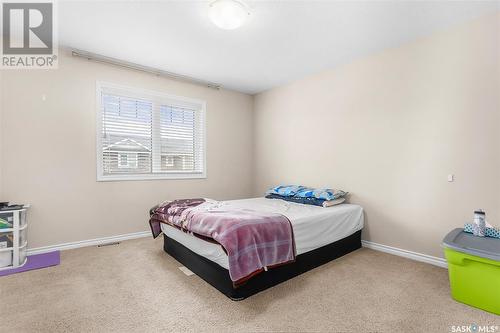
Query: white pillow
330, 203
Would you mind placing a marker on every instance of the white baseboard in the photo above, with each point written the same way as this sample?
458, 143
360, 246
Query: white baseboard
104, 240
406, 254
88, 242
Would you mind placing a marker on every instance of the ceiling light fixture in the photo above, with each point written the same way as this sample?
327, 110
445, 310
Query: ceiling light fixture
228, 14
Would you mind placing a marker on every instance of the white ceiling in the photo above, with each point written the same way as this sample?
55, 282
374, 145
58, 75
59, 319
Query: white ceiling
282, 41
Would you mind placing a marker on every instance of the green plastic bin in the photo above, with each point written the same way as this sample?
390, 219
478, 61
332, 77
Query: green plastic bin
474, 269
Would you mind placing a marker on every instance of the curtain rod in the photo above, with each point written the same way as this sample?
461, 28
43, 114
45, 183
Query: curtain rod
146, 69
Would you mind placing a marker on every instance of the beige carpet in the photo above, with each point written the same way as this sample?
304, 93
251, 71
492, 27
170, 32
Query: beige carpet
136, 287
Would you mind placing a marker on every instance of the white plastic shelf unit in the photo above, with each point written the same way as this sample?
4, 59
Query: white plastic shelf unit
13, 239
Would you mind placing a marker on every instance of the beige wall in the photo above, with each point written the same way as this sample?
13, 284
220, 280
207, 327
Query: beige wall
1, 130
389, 128
49, 152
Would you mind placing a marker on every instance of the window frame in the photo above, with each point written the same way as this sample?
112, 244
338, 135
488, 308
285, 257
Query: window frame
197, 104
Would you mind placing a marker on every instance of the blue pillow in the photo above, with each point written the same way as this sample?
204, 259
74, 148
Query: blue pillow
285, 190
325, 194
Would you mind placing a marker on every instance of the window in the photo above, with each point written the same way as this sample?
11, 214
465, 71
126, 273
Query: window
148, 135
127, 160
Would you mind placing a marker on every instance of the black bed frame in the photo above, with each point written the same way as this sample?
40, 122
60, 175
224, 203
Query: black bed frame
218, 277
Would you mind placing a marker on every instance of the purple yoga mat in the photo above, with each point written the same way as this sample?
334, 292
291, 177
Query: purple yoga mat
36, 261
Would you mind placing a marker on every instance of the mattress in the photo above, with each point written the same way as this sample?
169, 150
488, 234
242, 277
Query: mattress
313, 226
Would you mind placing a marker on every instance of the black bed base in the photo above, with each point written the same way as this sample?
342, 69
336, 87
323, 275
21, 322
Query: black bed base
218, 277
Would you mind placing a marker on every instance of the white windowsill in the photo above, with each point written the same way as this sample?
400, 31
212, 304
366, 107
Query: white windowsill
162, 176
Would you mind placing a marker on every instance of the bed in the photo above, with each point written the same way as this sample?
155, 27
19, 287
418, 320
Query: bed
320, 234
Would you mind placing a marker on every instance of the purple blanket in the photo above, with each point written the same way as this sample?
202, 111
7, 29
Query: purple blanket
253, 241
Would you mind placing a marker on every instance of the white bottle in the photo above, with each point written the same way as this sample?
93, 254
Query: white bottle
479, 223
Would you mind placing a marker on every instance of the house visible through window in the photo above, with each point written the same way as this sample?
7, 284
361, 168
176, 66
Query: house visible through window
127, 160
149, 135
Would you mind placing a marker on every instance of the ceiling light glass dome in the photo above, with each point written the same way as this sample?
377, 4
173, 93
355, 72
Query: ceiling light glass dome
228, 14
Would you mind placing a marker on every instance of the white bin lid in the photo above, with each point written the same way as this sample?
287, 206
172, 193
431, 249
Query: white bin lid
484, 247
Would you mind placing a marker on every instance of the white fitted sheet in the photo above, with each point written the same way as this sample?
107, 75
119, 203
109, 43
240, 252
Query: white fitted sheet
313, 226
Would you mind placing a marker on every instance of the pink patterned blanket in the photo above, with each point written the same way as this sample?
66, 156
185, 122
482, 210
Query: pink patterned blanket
253, 241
